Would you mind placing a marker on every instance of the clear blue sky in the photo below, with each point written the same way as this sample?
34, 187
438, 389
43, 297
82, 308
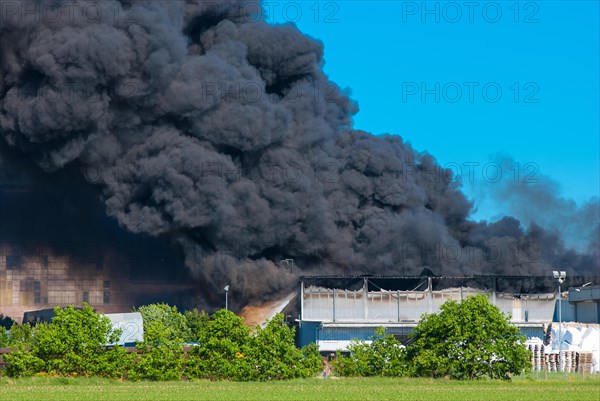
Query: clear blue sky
384, 51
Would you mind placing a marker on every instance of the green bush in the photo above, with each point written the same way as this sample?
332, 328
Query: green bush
21, 363
21, 336
76, 342
73, 341
384, 356
115, 363
158, 362
228, 350
312, 359
196, 321
164, 323
3, 338
274, 356
468, 340
222, 353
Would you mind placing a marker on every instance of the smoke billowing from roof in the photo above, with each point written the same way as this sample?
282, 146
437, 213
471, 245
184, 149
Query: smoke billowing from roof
200, 123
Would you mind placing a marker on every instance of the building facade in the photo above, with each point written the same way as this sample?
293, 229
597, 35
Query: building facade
34, 277
333, 316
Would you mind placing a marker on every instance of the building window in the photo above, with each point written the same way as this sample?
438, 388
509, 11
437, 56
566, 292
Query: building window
37, 292
13, 262
86, 297
45, 261
106, 297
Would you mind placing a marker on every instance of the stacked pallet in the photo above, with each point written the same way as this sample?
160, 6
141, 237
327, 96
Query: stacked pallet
572, 361
551, 362
569, 361
578, 354
584, 362
537, 355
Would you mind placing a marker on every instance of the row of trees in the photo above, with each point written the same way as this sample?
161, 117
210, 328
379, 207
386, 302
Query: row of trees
74, 344
465, 340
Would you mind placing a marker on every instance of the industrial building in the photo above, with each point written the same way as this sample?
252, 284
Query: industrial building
337, 309
583, 305
36, 276
58, 248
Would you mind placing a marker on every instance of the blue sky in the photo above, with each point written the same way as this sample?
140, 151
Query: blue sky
388, 52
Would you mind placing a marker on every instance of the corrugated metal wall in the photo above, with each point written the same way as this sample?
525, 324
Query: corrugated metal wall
334, 305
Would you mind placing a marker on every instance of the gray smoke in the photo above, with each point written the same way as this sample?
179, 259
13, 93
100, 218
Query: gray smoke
533, 197
200, 123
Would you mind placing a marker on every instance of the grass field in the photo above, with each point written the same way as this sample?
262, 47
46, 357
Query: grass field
62, 389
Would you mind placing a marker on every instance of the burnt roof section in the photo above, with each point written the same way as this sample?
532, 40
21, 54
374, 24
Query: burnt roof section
372, 276
517, 284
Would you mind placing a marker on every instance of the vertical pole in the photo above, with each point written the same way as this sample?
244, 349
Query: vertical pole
301, 299
365, 295
430, 289
226, 300
559, 329
398, 302
334, 304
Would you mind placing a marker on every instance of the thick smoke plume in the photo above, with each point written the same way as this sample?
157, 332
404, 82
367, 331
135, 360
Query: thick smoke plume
199, 123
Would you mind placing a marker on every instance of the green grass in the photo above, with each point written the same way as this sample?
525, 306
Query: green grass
63, 389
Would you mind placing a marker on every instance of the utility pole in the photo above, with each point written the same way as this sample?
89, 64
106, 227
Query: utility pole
560, 277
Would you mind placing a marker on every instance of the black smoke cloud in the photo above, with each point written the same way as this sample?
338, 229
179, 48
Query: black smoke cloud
199, 123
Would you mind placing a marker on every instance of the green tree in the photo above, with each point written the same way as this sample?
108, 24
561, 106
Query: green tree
222, 353
468, 340
20, 361
228, 350
164, 323
196, 321
73, 343
384, 356
273, 353
21, 336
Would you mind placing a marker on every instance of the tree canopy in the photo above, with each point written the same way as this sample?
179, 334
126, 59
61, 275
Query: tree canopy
467, 340
164, 323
